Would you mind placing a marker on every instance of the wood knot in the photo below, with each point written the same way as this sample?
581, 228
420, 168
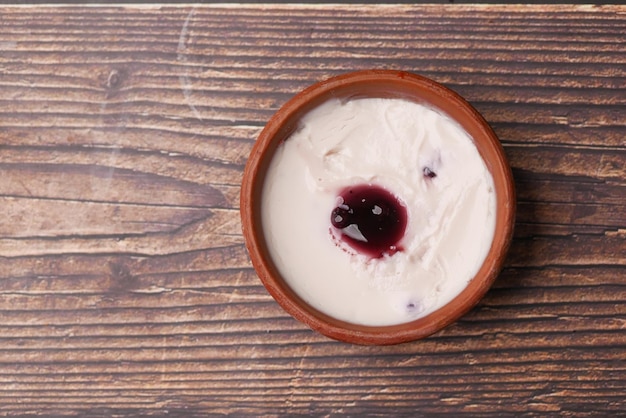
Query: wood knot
114, 80
121, 279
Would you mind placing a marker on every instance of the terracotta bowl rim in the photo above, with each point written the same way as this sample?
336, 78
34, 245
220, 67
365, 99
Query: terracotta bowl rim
377, 83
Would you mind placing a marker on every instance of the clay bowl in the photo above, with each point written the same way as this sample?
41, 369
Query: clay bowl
386, 84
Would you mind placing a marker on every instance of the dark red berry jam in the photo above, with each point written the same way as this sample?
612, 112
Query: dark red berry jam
370, 219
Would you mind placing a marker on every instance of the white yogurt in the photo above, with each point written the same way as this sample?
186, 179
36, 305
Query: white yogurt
386, 142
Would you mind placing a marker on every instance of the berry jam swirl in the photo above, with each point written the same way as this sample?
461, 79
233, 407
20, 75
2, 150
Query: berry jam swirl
370, 219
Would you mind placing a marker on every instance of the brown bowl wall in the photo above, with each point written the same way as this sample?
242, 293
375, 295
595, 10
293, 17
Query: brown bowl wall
385, 84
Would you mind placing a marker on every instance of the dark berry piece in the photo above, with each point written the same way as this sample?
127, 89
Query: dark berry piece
370, 219
413, 307
429, 173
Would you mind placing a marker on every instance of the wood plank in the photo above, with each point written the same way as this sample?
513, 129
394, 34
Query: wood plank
125, 287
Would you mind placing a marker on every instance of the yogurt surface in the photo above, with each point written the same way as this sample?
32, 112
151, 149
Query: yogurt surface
427, 161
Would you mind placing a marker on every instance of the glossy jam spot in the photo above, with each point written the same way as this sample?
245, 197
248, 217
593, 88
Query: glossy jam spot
370, 219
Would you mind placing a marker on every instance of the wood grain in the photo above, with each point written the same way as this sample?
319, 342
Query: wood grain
125, 288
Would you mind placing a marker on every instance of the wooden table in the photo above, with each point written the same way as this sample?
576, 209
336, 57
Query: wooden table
125, 286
